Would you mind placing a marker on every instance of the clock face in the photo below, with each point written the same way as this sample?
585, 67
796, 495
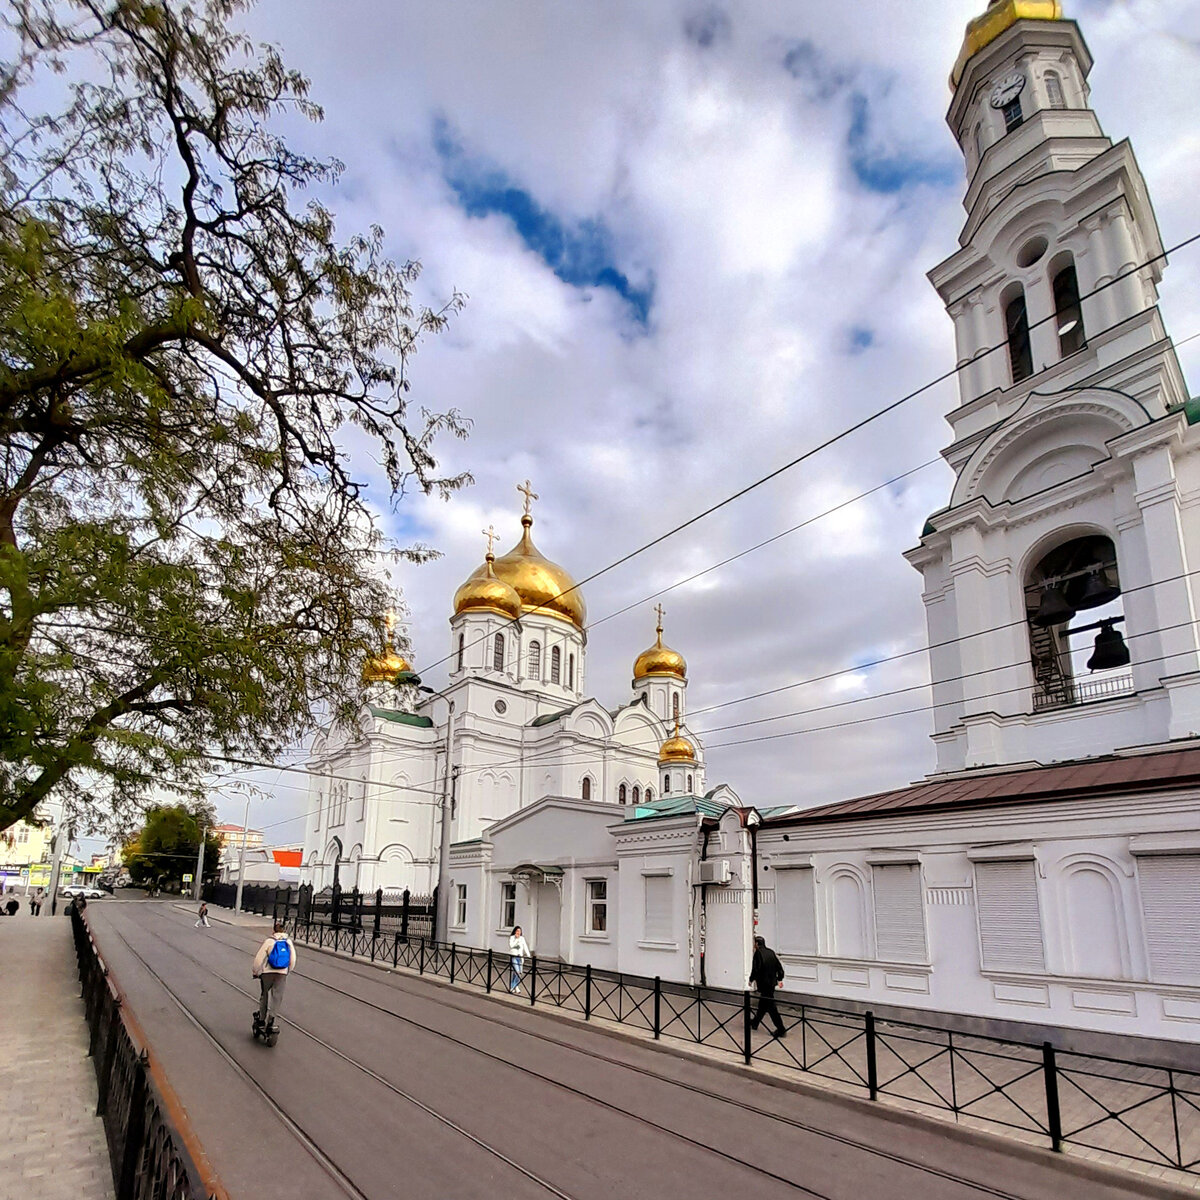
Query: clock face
1007, 89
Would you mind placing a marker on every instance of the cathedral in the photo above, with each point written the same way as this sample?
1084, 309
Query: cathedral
513, 725
1048, 870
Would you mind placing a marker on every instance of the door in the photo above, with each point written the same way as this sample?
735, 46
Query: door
548, 943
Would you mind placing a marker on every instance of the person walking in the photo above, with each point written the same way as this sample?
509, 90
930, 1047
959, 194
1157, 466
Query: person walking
272, 964
35, 903
766, 973
202, 919
518, 949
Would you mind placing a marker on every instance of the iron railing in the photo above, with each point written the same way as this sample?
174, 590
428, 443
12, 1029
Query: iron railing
1064, 693
1121, 1107
154, 1157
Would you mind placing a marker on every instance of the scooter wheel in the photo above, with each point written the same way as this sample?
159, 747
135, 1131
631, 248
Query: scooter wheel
272, 1036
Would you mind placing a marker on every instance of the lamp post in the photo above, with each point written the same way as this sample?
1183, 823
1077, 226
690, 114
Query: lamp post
440, 922
237, 904
753, 821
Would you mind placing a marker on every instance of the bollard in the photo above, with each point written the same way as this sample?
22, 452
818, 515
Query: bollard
872, 1070
489, 972
587, 993
1053, 1115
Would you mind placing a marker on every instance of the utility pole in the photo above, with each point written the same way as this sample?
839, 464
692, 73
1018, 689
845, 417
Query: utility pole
61, 835
441, 923
199, 863
237, 904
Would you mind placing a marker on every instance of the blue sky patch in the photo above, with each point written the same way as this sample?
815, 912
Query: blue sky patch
861, 338
879, 171
579, 252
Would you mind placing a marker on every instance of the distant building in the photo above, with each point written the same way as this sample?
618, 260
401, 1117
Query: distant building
231, 837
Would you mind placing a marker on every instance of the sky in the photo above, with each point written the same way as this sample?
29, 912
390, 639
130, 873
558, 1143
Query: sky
693, 239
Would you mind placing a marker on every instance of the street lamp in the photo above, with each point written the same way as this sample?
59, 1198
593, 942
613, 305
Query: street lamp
753, 821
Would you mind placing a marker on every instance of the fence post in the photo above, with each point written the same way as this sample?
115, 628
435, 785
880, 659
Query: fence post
374, 939
404, 915
747, 1045
135, 1129
110, 1054
489, 971
378, 906
587, 993
453, 960
1053, 1115
395, 948
872, 1070
533, 979
421, 968
657, 1007
336, 931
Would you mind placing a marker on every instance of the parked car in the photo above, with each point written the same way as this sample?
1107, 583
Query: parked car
86, 891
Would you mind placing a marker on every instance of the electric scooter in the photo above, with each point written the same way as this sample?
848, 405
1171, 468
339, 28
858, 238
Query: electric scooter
265, 1031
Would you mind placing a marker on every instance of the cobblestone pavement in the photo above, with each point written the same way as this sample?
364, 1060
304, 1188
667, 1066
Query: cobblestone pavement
52, 1147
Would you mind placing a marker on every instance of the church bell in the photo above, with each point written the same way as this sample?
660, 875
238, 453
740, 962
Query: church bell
1096, 591
1054, 609
1110, 651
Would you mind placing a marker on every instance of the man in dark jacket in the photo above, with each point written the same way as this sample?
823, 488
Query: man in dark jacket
766, 973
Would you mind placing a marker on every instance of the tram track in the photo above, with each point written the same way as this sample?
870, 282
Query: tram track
392, 981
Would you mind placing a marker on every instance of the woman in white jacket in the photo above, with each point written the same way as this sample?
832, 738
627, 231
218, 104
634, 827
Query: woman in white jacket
518, 948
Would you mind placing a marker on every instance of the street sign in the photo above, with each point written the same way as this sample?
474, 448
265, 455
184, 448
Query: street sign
187, 879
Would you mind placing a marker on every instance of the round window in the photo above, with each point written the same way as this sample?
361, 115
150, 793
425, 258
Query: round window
500, 707
1031, 251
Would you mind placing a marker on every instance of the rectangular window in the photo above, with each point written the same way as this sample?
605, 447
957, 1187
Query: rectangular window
899, 913
597, 907
1013, 116
796, 910
1170, 887
508, 905
659, 926
460, 904
1010, 921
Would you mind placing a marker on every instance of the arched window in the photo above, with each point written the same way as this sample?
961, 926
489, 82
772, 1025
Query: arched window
979, 146
535, 660
1054, 90
1066, 582
1068, 315
637, 794
555, 665
462, 646
1016, 323
621, 794
690, 785
1013, 116
570, 670
649, 795
666, 784
586, 790
498, 652
849, 927
1094, 920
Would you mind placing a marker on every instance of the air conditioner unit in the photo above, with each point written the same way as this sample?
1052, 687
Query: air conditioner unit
715, 871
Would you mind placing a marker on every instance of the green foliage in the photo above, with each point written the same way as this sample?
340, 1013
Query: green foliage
187, 566
166, 846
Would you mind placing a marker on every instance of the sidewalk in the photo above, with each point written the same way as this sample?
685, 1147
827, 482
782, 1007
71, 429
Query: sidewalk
51, 1144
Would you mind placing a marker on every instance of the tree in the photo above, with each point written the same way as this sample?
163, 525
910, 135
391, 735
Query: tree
187, 565
167, 845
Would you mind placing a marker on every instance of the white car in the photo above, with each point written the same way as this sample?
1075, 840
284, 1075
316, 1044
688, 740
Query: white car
88, 893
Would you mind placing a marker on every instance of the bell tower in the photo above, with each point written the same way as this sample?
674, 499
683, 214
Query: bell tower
1059, 592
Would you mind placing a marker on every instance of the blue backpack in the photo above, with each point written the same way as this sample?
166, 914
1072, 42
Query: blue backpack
279, 957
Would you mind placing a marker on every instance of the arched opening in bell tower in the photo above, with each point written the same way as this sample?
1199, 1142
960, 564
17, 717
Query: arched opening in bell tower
1016, 329
1077, 578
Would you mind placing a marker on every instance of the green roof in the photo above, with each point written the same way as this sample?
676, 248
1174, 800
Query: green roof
675, 806
547, 718
401, 718
929, 527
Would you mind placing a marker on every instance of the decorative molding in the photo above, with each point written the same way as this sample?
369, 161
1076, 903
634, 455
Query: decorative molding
950, 895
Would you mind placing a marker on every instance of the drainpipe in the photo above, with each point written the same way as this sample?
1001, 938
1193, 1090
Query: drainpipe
753, 821
706, 831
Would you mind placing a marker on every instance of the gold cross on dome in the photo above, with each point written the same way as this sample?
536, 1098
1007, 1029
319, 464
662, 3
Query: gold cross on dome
491, 535
389, 621
662, 612
530, 495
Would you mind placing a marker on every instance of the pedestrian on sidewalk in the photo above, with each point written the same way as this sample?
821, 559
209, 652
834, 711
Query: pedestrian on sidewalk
35, 903
202, 919
12, 906
518, 949
272, 964
766, 973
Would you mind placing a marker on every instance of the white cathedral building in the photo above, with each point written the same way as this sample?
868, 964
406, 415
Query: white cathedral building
1048, 870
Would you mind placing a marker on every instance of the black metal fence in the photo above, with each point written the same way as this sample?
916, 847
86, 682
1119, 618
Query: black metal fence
1121, 1107
150, 1154
384, 911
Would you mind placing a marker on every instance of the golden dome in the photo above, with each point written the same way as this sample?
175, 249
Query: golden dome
677, 749
541, 586
1000, 15
660, 659
484, 592
383, 668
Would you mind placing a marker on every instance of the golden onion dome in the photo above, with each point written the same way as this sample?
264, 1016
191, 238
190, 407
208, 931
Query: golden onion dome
1000, 15
385, 667
542, 587
487, 593
659, 659
677, 749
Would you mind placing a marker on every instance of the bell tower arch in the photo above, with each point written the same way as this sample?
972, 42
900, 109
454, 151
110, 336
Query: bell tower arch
1059, 593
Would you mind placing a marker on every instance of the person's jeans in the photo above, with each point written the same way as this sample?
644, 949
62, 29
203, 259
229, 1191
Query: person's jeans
514, 981
272, 994
767, 1008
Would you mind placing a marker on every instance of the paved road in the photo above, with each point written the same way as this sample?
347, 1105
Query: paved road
383, 1084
